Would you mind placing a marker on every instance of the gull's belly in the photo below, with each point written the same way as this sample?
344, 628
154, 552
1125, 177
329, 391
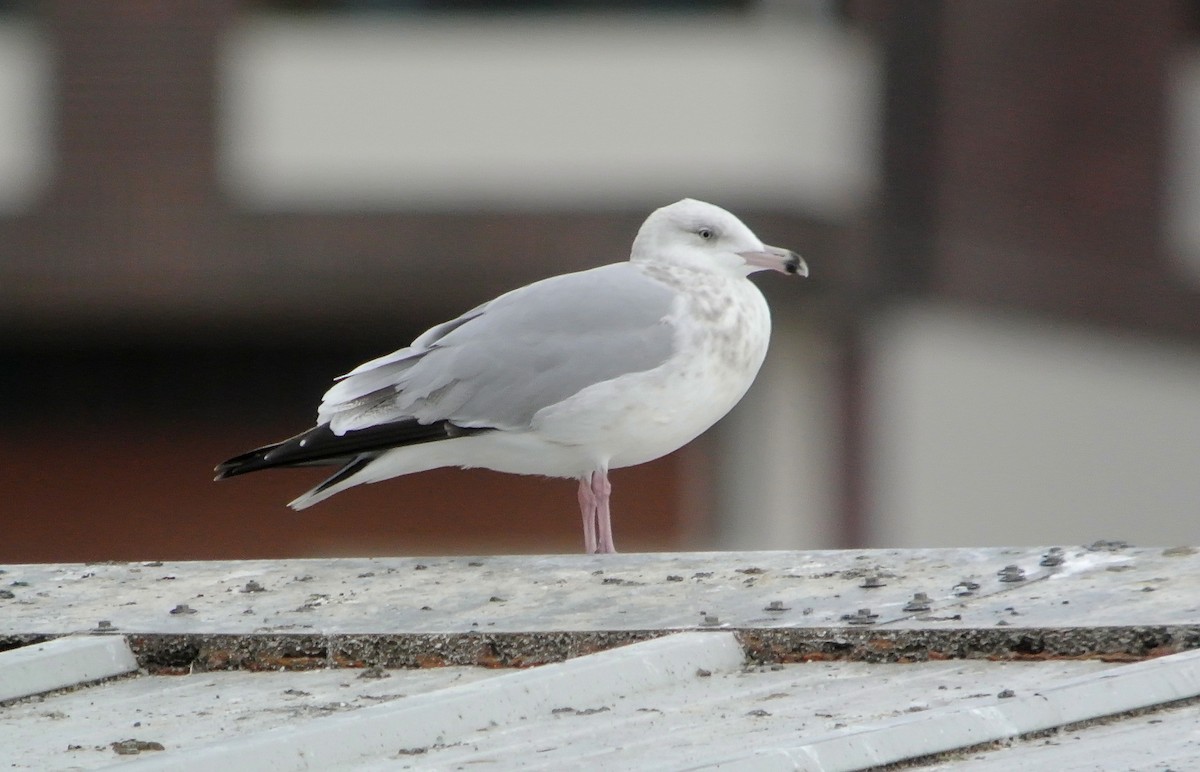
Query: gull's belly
667, 412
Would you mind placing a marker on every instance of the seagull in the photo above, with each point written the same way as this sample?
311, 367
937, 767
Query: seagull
570, 376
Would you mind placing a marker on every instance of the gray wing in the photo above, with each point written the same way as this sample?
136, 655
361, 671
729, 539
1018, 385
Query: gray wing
500, 363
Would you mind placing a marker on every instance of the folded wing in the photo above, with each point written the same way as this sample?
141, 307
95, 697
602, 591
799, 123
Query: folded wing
499, 364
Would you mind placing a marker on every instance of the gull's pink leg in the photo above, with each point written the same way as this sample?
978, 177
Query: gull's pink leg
601, 489
588, 508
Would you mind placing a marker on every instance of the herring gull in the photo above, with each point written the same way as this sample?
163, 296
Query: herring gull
570, 376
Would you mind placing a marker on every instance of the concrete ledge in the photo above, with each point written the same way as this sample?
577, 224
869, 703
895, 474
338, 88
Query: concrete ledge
178, 654
43, 667
1102, 601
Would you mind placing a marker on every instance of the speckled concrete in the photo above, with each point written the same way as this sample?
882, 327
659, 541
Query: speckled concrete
1104, 600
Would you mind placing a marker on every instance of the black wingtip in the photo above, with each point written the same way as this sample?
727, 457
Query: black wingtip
250, 461
224, 471
319, 446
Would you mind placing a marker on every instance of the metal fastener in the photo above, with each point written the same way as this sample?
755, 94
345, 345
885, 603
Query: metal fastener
1011, 573
920, 602
776, 605
711, 619
861, 617
966, 587
874, 580
1053, 558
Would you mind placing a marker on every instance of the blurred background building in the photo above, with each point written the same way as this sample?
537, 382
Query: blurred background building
210, 208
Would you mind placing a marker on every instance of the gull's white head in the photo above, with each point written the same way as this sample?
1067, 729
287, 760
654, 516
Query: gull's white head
704, 237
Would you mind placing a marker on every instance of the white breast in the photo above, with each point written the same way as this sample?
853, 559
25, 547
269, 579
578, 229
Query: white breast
722, 327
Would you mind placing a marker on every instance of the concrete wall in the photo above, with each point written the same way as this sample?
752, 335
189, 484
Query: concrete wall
554, 112
25, 115
992, 430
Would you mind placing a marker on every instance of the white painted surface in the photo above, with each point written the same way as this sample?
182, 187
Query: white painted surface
686, 723
465, 596
75, 730
25, 129
1052, 705
456, 714
1157, 741
554, 111
992, 431
42, 667
683, 722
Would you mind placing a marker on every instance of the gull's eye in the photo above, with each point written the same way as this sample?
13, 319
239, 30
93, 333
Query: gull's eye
706, 233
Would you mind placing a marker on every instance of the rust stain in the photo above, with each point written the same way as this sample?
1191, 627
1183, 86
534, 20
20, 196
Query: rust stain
430, 660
